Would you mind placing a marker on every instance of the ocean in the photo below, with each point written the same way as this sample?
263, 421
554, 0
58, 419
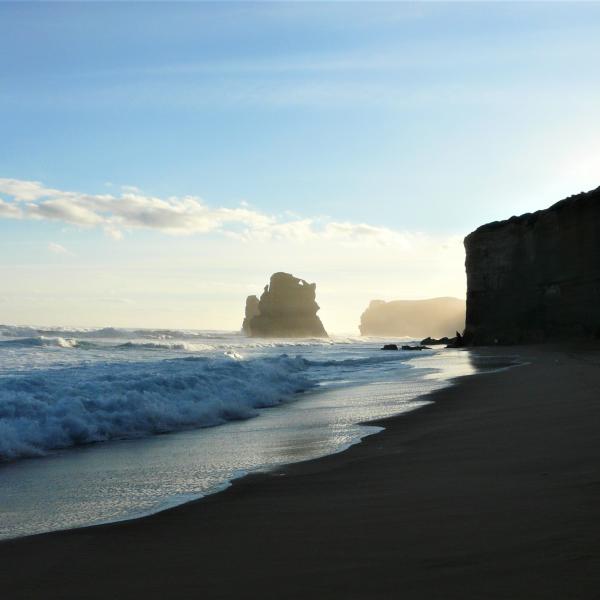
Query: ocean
102, 425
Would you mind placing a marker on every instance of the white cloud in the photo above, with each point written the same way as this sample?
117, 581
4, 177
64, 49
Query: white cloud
115, 234
57, 248
131, 189
63, 209
10, 210
180, 216
26, 191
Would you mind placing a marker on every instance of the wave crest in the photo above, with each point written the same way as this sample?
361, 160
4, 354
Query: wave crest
41, 341
50, 409
187, 346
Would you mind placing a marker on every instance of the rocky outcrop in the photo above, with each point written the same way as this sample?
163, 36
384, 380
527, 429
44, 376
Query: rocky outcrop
436, 317
429, 341
252, 311
395, 347
536, 277
456, 342
287, 308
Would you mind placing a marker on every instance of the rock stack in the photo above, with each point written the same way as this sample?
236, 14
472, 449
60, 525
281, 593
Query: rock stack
287, 308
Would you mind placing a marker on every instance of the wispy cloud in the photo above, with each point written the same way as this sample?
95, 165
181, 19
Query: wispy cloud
187, 215
10, 210
57, 248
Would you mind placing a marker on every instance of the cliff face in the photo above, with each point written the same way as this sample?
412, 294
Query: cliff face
436, 317
536, 277
287, 308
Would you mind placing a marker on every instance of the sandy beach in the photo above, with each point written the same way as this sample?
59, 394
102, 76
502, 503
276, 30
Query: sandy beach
493, 491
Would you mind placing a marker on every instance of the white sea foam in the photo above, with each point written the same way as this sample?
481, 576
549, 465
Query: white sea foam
186, 346
43, 410
41, 341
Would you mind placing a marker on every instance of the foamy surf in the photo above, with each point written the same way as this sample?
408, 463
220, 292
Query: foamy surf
40, 342
44, 410
58, 391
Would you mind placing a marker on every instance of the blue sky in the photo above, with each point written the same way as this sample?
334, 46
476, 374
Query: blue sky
418, 121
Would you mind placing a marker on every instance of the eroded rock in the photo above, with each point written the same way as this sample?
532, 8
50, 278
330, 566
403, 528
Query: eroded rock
251, 312
429, 341
287, 308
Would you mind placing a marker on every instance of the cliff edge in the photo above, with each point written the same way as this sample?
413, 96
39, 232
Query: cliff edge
287, 308
536, 277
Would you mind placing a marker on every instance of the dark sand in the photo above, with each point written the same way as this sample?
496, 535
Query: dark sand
492, 492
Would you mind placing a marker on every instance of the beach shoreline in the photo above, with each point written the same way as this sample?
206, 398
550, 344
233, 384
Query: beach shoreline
120, 480
489, 492
447, 367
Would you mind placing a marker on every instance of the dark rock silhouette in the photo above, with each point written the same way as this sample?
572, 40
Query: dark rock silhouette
420, 347
536, 277
287, 308
390, 347
251, 312
456, 342
429, 341
413, 318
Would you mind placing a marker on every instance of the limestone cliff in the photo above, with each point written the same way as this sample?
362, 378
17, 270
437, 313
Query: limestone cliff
436, 317
536, 277
287, 308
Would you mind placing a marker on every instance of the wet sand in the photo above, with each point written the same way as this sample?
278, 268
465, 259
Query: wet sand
493, 491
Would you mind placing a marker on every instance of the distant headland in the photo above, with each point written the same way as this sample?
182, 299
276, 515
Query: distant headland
437, 317
287, 308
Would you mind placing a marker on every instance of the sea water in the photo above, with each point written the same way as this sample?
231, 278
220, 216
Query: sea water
102, 425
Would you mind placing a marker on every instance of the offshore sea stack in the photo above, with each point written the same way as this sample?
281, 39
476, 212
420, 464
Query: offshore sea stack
287, 308
536, 277
435, 317
251, 312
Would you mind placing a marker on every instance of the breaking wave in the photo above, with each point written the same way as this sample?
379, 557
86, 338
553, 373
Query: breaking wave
187, 346
45, 410
181, 342
110, 333
61, 342
40, 342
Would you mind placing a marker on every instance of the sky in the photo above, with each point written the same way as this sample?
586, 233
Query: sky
159, 161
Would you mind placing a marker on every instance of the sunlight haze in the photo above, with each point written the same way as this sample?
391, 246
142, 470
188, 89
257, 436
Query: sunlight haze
155, 180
